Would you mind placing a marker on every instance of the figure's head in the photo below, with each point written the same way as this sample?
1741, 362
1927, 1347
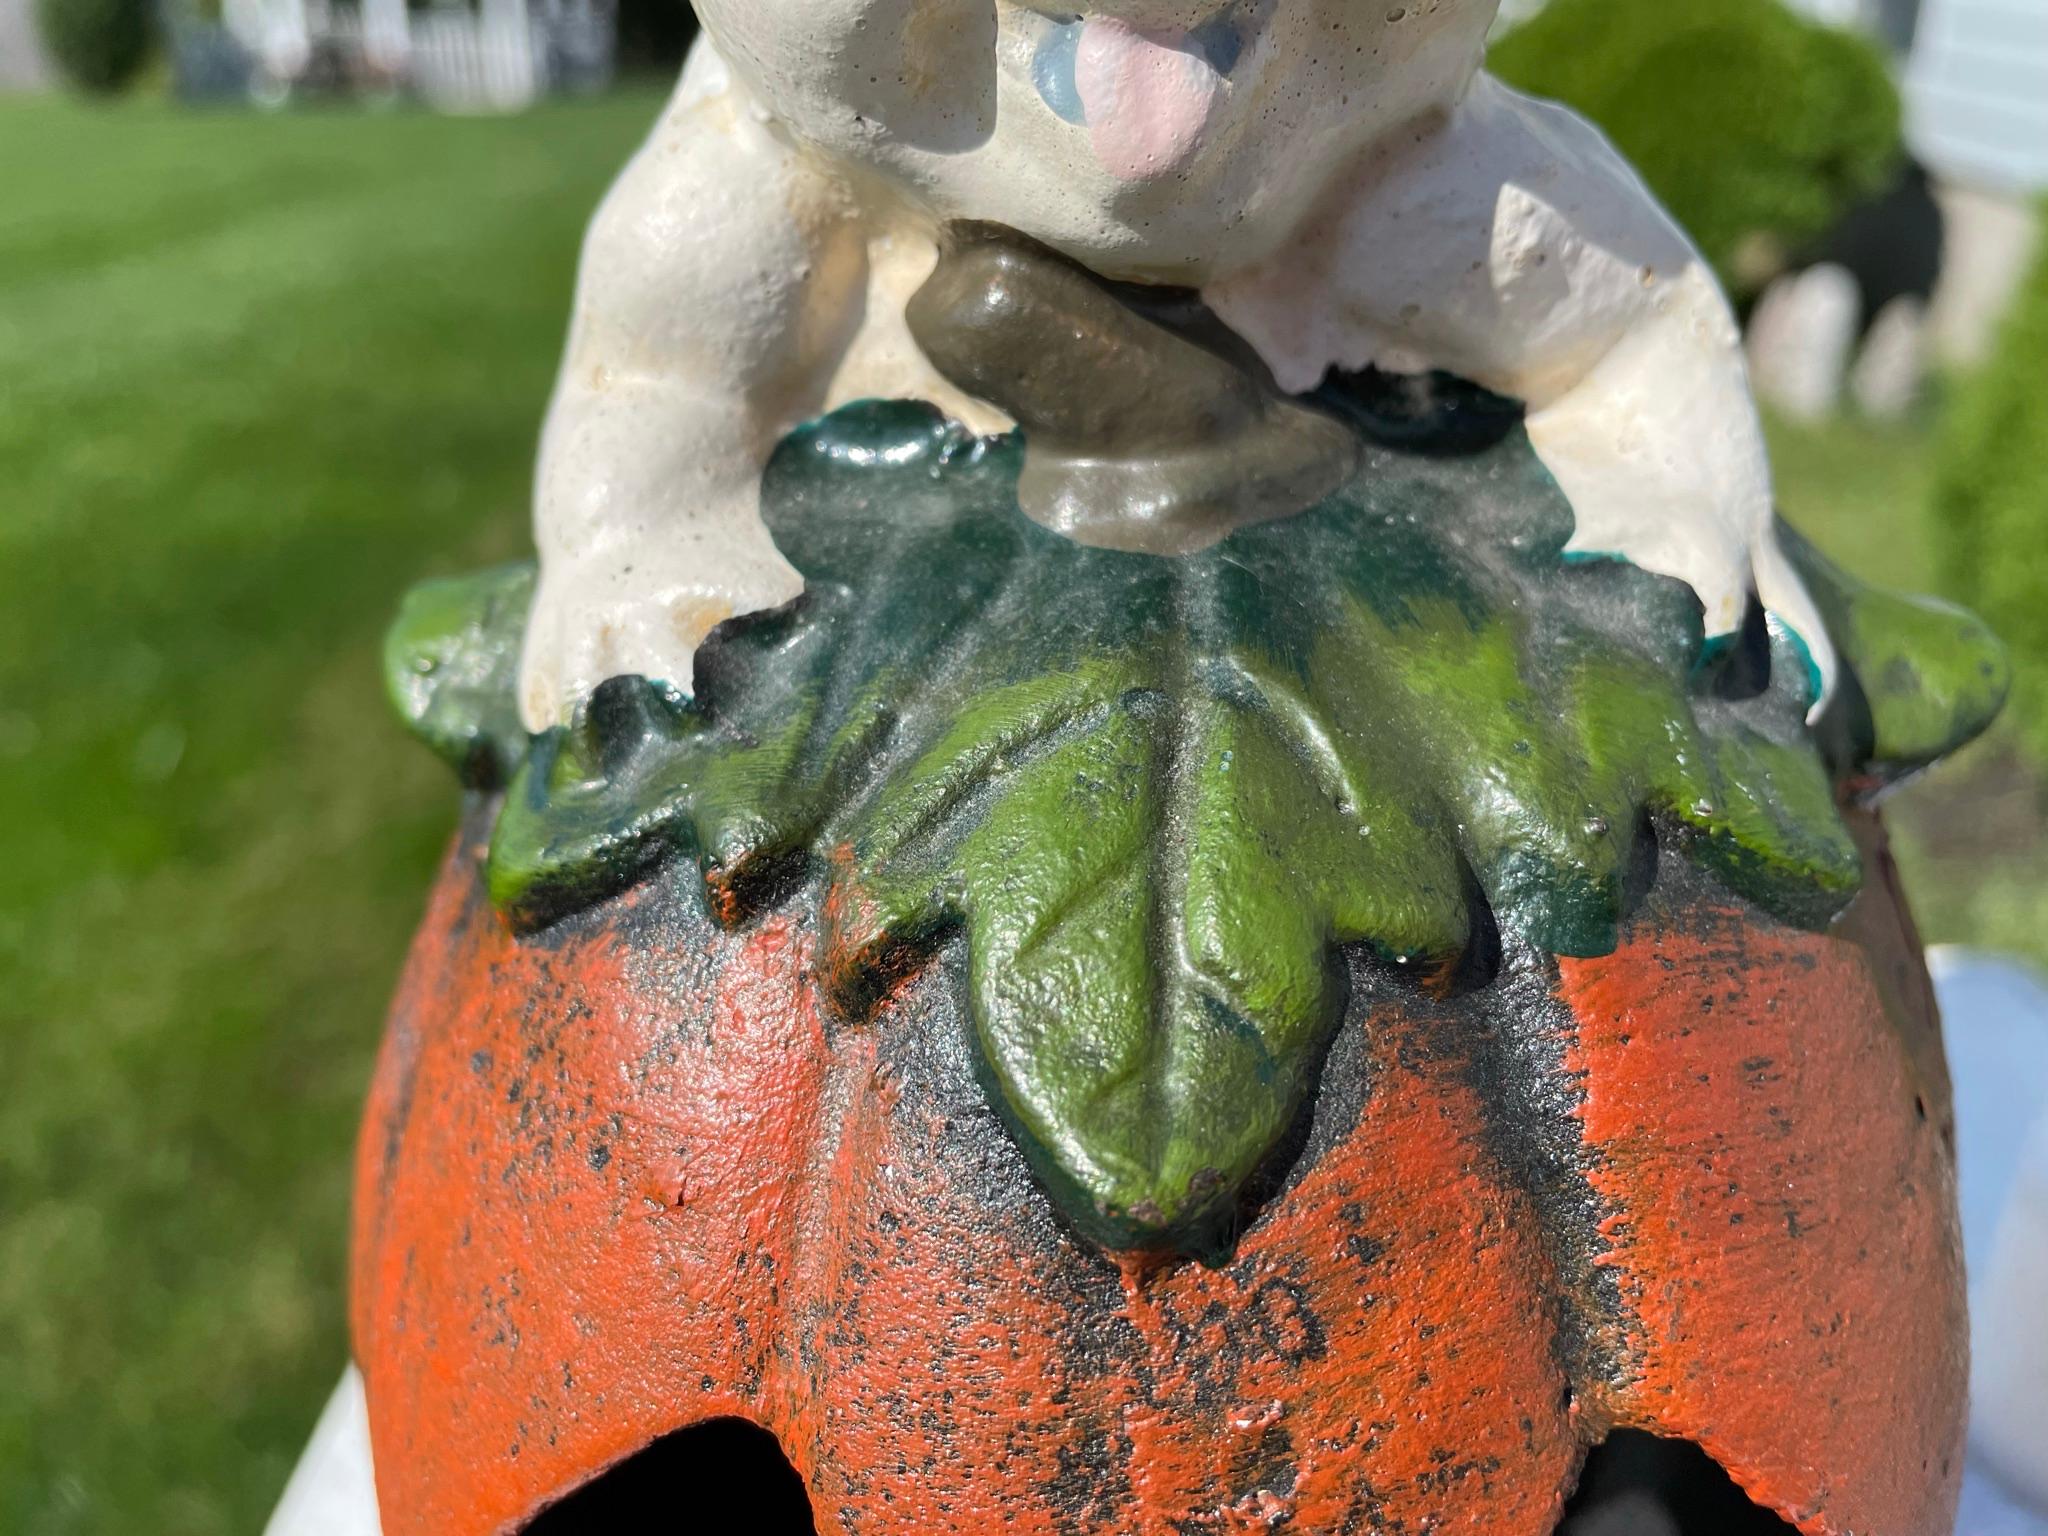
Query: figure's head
1158, 138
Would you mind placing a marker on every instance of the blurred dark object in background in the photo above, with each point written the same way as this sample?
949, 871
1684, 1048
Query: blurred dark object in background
97, 45
654, 35
1892, 243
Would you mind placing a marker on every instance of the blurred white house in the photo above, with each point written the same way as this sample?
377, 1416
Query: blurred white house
459, 55
1977, 117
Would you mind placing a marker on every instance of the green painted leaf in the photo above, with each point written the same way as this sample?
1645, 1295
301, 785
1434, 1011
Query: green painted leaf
451, 665
1922, 677
1155, 796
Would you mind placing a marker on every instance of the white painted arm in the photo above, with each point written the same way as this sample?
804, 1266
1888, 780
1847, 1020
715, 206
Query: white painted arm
1508, 242
721, 280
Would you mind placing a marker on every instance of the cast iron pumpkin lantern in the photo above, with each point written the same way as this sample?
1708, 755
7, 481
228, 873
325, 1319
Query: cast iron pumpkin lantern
1312, 1035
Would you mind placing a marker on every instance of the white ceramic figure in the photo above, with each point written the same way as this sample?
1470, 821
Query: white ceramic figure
1339, 179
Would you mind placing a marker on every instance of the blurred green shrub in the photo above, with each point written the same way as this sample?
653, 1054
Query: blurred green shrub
1991, 498
98, 45
1756, 127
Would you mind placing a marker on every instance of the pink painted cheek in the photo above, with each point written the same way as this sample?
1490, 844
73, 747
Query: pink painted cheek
1148, 98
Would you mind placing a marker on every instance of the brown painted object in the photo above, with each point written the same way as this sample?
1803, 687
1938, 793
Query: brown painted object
1191, 439
631, 1175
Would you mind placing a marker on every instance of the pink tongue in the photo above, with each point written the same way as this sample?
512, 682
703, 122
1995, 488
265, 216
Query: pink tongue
1147, 100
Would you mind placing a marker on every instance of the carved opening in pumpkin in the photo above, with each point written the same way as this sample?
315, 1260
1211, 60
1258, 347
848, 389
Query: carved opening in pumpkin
1639, 1485
724, 1475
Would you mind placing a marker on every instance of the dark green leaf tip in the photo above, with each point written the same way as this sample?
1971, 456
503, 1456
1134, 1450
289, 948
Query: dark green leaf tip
596, 805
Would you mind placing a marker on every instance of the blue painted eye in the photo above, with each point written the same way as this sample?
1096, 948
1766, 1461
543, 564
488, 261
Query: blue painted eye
1052, 71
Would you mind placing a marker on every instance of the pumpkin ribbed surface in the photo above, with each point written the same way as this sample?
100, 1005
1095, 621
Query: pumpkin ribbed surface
634, 1173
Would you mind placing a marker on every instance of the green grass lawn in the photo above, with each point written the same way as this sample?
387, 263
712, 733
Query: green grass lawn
257, 376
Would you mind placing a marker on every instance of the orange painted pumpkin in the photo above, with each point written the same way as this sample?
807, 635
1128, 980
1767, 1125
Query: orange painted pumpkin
1313, 1034
634, 1174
